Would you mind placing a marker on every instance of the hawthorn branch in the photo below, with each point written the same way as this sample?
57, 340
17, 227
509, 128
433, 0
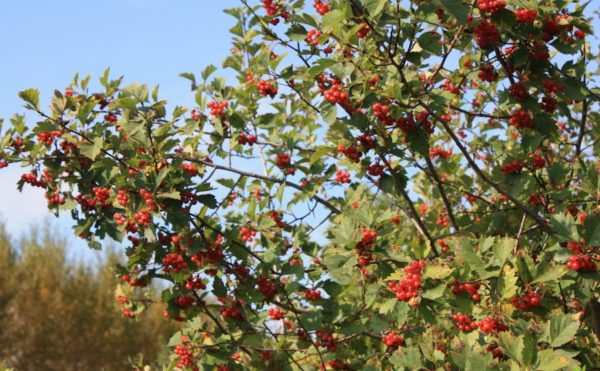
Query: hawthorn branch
540, 221
319, 199
440, 187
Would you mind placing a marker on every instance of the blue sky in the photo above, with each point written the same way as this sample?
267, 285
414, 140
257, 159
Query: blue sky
44, 43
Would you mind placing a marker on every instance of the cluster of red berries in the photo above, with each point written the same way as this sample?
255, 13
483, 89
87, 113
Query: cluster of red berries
185, 356
531, 299
495, 350
276, 314
581, 263
218, 109
194, 283
244, 139
576, 247
190, 169
491, 6
325, 339
3, 164
276, 217
313, 295
512, 167
363, 31
283, 162
267, 88
375, 169
487, 73
490, 325
342, 176
353, 153
549, 103
232, 311
101, 195
526, 15
122, 197
521, 118
266, 287
184, 301
148, 199
470, 288
312, 37
382, 113
518, 90
55, 199
368, 236
174, 262
32, 179
321, 7
486, 34
438, 152
271, 7
143, 217
247, 234
443, 220
336, 94
463, 322
392, 340
48, 136
552, 86
409, 287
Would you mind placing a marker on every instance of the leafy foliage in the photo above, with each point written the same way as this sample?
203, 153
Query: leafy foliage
385, 185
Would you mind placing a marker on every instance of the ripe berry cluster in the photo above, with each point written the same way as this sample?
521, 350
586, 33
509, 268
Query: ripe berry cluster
518, 90
491, 6
470, 288
495, 350
526, 15
143, 217
363, 31
490, 325
271, 7
148, 199
512, 167
3, 164
283, 162
48, 137
184, 355
244, 139
247, 234
342, 176
353, 153
190, 169
267, 88
438, 152
321, 7
184, 301
312, 37
375, 169
487, 73
521, 119
276, 217
382, 113
530, 300
463, 322
218, 109
266, 287
232, 311
581, 263
101, 195
486, 34
276, 314
409, 287
122, 197
368, 236
392, 340
174, 262
55, 199
194, 283
325, 339
313, 295
443, 220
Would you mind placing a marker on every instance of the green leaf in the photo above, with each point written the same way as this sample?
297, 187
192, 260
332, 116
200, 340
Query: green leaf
31, 96
503, 249
457, 9
511, 345
591, 233
92, 150
388, 306
548, 360
551, 274
208, 71
565, 227
560, 330
434, 293
208, 200
311, 321
507, 284
430, 42
374, 7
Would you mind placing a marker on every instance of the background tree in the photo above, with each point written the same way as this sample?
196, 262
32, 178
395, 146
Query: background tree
57, 314
384, 184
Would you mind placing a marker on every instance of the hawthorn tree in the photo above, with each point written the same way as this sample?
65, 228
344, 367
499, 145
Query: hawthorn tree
382, 185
